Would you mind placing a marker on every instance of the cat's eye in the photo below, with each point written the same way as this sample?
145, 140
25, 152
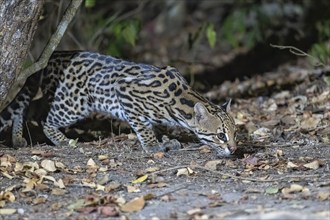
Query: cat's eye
222, 136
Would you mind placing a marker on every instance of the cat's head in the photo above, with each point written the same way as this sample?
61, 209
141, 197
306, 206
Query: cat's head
215, 127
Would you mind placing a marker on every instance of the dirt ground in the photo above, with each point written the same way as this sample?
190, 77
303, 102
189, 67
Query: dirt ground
280, 171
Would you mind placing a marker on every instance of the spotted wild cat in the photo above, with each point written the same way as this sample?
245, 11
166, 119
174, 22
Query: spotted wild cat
78, 83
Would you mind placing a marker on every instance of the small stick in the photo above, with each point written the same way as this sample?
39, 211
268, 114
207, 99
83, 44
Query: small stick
297, 52
254, 179
28, 130
170, 169
171, 191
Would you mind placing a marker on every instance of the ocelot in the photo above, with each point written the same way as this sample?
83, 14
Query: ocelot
78, 83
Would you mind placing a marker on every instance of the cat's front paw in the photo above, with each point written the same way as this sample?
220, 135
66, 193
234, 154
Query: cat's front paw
170, 144
19, 142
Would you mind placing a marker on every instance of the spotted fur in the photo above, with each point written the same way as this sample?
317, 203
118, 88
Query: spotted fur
79, 83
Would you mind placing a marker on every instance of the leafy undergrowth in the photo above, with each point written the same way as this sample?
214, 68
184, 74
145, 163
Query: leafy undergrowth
281, 167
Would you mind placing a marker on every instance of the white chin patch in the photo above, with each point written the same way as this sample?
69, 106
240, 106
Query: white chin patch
222, 152
227, 151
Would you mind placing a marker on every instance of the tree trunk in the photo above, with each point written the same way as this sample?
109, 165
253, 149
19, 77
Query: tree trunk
18, 22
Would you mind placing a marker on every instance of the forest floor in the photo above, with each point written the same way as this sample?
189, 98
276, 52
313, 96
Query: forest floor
281, 170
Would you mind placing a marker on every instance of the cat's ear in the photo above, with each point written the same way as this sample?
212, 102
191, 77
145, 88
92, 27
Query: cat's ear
201, 112
226, 106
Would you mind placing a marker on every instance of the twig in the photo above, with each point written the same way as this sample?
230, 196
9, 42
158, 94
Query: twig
254, 179
169, 169
233, 176
171, 191
53, 42
78, 185
28, 131
298, 52
49, 49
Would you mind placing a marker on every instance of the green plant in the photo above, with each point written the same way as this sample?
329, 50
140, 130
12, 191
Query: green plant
248, 25
321, 49
90, 3
234, 28
124, 32
210, 34
111, 34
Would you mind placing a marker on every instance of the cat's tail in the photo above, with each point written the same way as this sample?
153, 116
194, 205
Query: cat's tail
15, 113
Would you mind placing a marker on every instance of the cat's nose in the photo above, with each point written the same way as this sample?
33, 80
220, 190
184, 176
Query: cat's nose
232, 149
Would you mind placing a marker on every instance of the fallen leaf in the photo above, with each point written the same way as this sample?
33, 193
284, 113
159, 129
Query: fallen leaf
261, 133
103, 157
86, 210
7, 175
254, 190
288, 120
251, 160
212, 164
78, 204
99, 187
105, 179
58, 192
296, 188
104, 169
131, 136
88, 183
39, 200
113, 163
157, 185
60, 184
7, 158
108, 211
40, 172
73, 143
91, 163
42, 187
42, 153
322, 196
194, 211
214, 204
293, 188
314, 165
310, 123
152, 169
132, 189
306, 192
30, 166
60, 165
112, 186
272, 190
48, 165
9, 196
35, 157
184, 171
134, 205
7, 211
279, 153
167, 198
271, 123
204, 149
30, 183
149, 196
291, 165
48, 178
120, 201
56, 206
272, 107
140, 179
159, 155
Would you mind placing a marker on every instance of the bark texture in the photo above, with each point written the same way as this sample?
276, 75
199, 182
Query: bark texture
18, 22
